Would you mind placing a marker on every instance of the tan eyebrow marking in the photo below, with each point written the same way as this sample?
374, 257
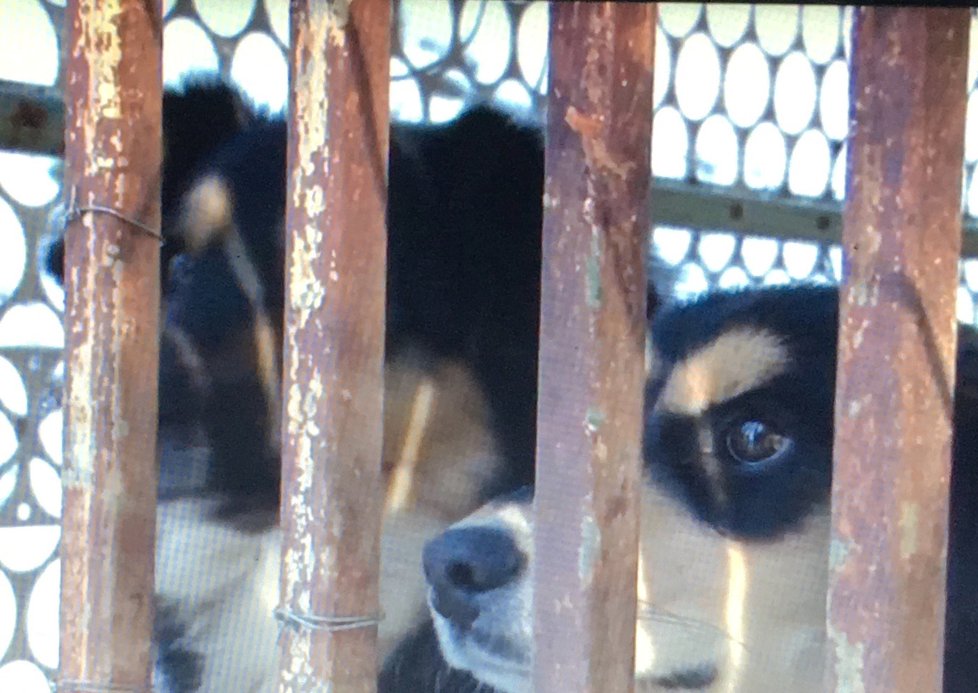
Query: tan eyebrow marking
731, 365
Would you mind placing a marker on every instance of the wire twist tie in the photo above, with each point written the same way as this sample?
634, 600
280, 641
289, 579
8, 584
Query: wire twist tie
95, 687
331, 624
75, 211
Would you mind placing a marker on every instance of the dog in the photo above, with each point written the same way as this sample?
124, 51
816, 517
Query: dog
464, 218
735, 517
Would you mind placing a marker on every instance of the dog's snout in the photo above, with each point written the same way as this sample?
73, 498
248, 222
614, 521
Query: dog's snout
463, 563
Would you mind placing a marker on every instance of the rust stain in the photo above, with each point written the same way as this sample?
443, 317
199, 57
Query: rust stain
592, 345
596, 150
583, 125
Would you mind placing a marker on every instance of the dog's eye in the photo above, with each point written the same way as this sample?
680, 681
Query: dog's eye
755, 442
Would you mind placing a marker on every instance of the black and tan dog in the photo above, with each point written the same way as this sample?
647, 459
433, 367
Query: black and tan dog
735, 514
464, 218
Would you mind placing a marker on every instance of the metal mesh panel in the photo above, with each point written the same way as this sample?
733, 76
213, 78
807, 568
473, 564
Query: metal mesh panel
754, 99
31, 338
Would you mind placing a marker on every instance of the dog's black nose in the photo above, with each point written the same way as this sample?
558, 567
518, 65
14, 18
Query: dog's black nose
461, 564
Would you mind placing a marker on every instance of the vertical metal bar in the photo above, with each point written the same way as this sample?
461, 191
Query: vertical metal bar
592, 337
113, 148
897, 342
334, 344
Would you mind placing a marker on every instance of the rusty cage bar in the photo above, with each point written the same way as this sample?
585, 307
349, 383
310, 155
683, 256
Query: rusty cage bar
897, 345
902, 241
332, 424
592, 345
113, 149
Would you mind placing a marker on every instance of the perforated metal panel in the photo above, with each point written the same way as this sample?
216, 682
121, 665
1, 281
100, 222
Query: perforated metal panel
31, 338
753, 99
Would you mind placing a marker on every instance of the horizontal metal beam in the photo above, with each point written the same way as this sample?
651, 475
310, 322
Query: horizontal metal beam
713, 208
31, 120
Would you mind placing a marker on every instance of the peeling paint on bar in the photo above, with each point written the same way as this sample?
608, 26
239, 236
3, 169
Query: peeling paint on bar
306, 291
589, 549
909, 529
849, 660
893, 428
334, 340
113, 121
592, 346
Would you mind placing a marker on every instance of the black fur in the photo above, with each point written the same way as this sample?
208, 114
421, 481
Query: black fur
769, 502
766, 502
198, 118
463, 270
763, 502
961, 627
417, 665
179, 667
464, 218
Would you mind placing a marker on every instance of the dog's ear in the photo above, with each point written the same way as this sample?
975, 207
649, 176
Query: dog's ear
199, 117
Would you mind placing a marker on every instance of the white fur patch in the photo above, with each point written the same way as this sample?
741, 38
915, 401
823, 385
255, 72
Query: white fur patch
224, 585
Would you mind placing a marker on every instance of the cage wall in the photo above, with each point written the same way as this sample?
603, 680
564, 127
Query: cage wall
764, 120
